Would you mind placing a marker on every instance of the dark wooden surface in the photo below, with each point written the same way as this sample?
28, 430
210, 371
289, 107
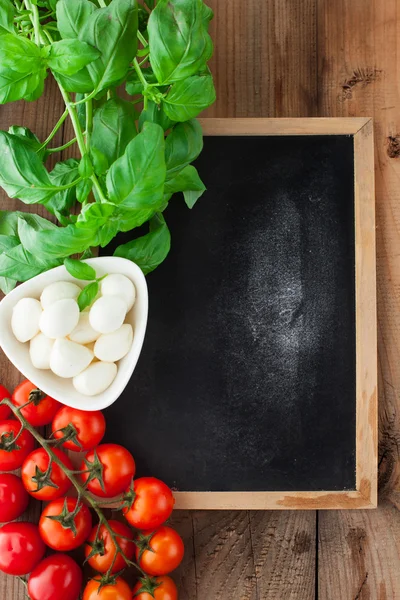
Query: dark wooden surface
289, 58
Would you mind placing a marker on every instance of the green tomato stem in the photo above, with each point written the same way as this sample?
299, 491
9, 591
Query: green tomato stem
82, 493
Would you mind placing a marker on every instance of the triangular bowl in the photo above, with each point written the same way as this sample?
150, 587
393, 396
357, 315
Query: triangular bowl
56, 387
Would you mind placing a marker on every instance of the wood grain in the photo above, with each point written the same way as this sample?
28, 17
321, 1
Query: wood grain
358, 73
284, 552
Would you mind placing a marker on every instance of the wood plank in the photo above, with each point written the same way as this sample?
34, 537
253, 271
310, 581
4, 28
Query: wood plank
265, 58
224, 557
284, 554
358, 70
40, 117
359, 554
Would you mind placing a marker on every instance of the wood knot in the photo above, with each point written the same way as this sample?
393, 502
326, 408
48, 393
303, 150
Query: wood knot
361, 77
393, 146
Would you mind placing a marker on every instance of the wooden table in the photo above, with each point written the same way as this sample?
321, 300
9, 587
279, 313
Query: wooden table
299, 58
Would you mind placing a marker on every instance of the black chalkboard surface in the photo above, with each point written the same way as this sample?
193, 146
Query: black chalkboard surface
247, 377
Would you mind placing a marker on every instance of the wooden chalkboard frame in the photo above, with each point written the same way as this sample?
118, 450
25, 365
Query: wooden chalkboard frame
365, 494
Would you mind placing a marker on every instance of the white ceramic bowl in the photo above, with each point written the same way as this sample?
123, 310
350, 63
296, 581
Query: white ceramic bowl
56, 387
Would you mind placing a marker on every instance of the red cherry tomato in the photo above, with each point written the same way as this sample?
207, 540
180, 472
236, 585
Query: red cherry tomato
102, 561
118, 468
13, 497
13, 453
57, 534
163, 551
4, 410
21, 548
119, 590
152, 503
165, 590
42, 408
89, 426
35, 471
57, 577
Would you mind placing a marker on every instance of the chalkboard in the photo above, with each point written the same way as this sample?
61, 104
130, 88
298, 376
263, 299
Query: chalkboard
247, 381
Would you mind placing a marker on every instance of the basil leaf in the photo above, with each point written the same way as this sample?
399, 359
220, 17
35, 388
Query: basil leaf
113, 128
7, 284
72, 15
182, 146
83, 189
94, 215
71, 18
187, 98
134, 85
20, 265
80, 82
9, 222
149, 250
180, 45
22, 173
150, 3
69, 56
155, 114
136, 180
188, 182
26, 135
20, 86
56, 243
87, 295
129, 218
19, 54
85, 168
60, 204
99, 161
7, 12
113, 30
79, 270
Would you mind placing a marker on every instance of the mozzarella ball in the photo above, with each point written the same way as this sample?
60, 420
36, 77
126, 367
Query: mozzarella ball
68, 358
111, 347
40, 350
60, 318
107, 314
25, 319
59, 290
119, 285
84, 332
95, 379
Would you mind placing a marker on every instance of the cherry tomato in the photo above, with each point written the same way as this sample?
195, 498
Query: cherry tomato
118, 468
120, 590
13, 497
152, 503
57, 534
34, 475
89, 426
106, 548
13, 453
21, 548
42, 408
57, 577
163, 551
165, 590
4, 410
